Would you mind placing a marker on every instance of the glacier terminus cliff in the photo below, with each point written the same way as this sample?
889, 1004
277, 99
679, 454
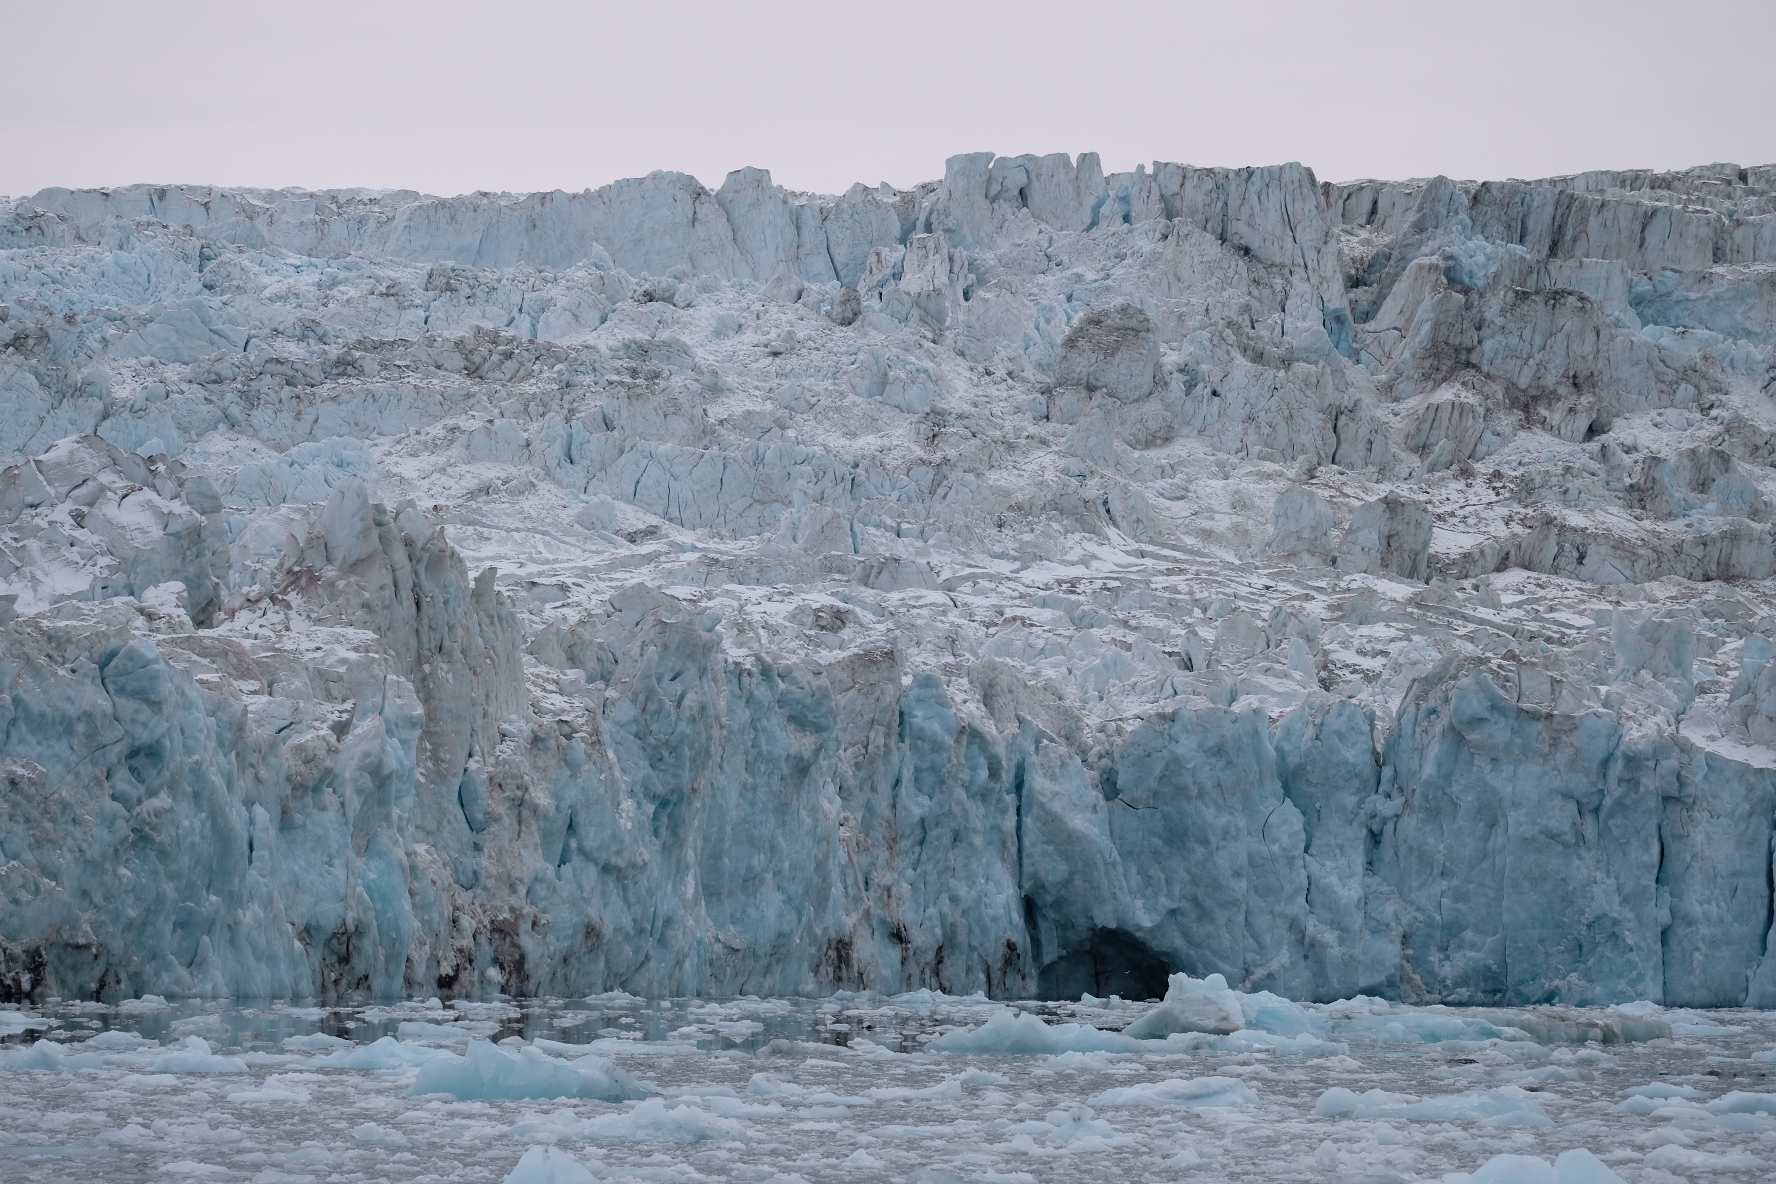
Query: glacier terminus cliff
1034, 582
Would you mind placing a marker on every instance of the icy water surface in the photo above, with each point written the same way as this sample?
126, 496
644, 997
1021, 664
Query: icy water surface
847, 1089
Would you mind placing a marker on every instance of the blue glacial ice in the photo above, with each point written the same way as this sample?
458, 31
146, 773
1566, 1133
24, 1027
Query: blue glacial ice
1036, 582
485, 1072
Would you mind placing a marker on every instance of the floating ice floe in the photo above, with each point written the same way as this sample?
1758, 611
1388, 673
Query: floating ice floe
550, 1165
146, 1003
1507, 1105
485, 1071
118, 1051
1014, 1032
196, 1057
1199, 1093
384, 1053
1569, 1167
649, 1120
14, 1022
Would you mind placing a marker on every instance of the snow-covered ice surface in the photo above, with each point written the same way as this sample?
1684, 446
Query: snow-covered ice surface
1031, 582
849, 1089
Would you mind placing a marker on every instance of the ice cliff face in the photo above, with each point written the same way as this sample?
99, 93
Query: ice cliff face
1035, 581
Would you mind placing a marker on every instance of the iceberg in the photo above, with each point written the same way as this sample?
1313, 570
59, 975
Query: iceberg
196, 1057
384, 1053
549, 1165
1193, 1005
485, 1071
1016, 1032
1577, 1166
651, 1120
12, 1023
1505, 1106
1197, 1093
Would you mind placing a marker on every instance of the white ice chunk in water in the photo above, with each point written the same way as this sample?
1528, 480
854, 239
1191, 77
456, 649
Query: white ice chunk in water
1206, 1005
1192, 1005
1570, 1167
948, 1090
1079, 1062
276, 1088
43, 1056
1197, 1093
1579, 1166
1506, 1105
370, 1134
145, 1003
1080, 1126
14, 1022
550, 1165
315, 1042
1674, 1157
116, 1040
1661, 1089
1009, 1032
485, 1072
651, 1120
196, 1057
386, 1053
1740, 1102
420, 1032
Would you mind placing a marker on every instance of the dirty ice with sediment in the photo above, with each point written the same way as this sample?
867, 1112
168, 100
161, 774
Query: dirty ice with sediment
1031, 584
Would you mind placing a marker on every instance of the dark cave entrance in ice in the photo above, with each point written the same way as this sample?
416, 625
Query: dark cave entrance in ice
1111, 962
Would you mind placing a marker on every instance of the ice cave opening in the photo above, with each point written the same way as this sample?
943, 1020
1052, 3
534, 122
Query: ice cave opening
1110, 962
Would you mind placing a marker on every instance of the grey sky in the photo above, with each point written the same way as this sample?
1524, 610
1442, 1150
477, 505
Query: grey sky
448, 96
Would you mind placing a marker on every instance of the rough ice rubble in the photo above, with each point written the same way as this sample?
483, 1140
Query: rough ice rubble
1074, 524
89, 521
826, 1111
1206, 1014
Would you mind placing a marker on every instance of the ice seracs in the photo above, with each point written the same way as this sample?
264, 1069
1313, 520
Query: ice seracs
1036, 581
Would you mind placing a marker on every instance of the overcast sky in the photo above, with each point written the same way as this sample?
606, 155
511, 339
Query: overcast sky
449, 96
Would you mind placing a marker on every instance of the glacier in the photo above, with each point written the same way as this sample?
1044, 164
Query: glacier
1035, 582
